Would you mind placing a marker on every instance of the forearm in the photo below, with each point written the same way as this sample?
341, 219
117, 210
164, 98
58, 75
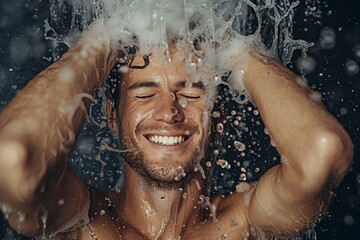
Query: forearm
40, 124
315, 149
306, 135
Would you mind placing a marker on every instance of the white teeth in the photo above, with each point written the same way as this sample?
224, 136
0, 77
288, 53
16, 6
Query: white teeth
165, 140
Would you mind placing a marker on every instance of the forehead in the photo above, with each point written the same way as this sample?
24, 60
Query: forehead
161, 69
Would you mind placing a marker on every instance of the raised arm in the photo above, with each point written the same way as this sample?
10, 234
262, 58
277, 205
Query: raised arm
37, 131
315, 149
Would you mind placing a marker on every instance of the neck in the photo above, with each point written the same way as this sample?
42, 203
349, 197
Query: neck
162, 210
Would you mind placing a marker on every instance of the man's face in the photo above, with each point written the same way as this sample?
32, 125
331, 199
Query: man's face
161, 119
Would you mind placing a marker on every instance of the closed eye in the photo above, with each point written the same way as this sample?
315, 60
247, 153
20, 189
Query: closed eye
190, 96
145, 96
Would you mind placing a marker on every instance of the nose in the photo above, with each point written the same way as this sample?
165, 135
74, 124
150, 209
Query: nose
168, 109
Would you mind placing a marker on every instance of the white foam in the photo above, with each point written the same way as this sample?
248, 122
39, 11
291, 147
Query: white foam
150, 25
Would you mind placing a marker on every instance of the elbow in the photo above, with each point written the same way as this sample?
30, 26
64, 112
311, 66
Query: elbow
335, 151
17, 185
330, 158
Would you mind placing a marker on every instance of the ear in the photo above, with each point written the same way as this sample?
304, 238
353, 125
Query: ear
112, 117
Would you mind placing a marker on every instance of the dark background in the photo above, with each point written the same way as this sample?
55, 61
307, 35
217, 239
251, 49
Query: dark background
24, 53
340, 92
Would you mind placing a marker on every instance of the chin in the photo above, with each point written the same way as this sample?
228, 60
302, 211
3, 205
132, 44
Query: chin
168, 176
167, 168
165, 171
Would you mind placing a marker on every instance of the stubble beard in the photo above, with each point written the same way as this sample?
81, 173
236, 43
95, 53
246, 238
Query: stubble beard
170, 175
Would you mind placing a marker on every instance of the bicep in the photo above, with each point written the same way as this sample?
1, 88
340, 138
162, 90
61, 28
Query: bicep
64, 210
280, 207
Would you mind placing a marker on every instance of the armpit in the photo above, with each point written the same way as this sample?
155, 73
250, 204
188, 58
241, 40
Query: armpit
78, 221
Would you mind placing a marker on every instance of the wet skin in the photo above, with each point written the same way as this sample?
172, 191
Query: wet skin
156, 126
162, 193
161, 198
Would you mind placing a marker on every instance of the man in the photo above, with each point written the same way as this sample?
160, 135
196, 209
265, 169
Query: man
163, 195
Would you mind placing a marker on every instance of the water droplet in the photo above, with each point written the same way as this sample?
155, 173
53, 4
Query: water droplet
316, 96
239, 146
242, 177
216, 114
306, 64
220, 128
124, 69
327, 38
357, 52
343, 111
348, 220
21, 216
223, 163
242, 187
352, 68
61, 202
182, 102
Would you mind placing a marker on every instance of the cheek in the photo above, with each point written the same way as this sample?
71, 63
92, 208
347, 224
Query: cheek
198, 116
195, 112
134, 114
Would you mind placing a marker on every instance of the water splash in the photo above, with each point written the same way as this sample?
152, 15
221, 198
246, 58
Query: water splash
268, 24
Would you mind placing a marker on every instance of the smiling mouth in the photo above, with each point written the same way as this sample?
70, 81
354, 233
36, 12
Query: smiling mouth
167, 140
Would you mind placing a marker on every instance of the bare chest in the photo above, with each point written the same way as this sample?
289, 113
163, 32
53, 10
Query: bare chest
105, 227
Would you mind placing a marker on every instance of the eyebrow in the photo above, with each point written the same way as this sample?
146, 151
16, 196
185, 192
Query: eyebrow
149, 84
198, 85
152, 84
